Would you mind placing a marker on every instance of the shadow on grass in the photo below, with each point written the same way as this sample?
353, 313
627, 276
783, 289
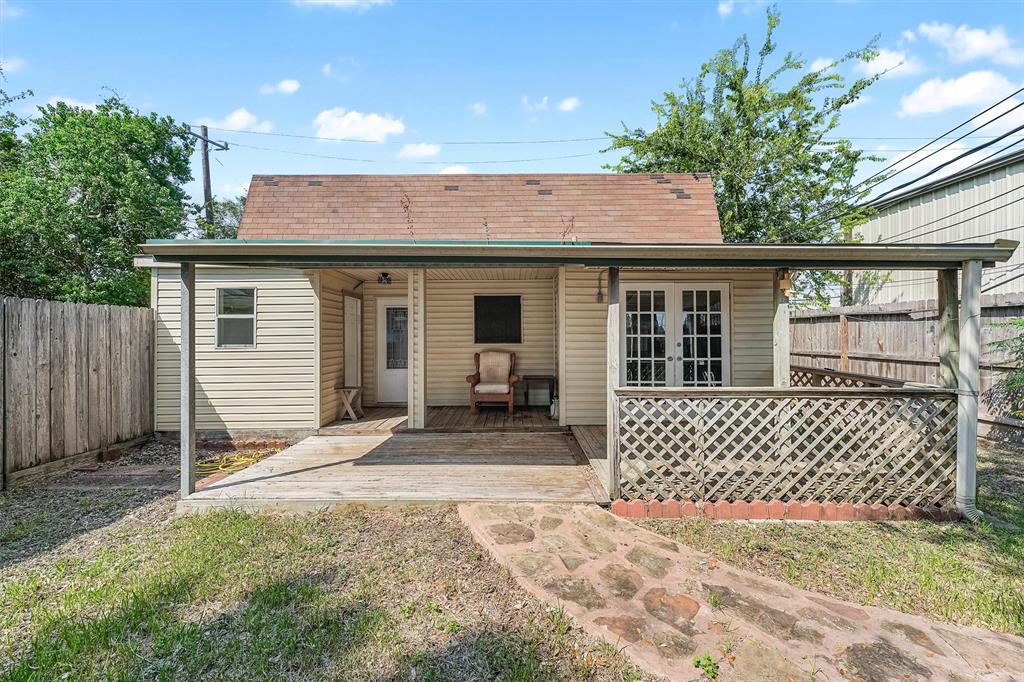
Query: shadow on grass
284, 629
35, 520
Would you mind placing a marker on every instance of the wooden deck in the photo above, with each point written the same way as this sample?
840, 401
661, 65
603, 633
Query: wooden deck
451, 419
410, 468
593, 442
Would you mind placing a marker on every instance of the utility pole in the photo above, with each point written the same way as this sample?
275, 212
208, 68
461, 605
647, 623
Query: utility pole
205, 142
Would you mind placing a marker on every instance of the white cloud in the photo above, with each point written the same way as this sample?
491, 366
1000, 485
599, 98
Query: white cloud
974, 89
454, 170
569, 103
72, 102
726, 7
240, 119
822, 63
288, 86
909, 36
539, 105
326, 69
895, 62
232, 190
353, 125
964, 44
478, 108
419, 150
12, 64
357, 5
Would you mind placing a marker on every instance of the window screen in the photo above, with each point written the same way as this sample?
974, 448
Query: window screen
497, 319
236, 318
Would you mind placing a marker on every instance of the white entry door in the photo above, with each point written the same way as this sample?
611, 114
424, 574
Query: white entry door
675, 335
392, 350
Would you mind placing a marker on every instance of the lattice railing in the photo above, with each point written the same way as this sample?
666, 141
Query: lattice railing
802, 375
882, 445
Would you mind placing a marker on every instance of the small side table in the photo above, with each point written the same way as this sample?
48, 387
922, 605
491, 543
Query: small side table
538, 379
350, 402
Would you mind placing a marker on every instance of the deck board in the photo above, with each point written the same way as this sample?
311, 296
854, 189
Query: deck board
410, 467
594, 443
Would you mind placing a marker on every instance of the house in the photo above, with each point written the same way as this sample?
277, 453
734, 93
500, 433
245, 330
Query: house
979, 204
668, 349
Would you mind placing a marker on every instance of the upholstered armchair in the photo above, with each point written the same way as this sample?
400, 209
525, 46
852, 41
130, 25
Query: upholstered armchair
494, 380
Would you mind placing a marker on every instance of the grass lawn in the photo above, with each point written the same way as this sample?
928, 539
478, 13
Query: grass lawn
959, 572
125, 591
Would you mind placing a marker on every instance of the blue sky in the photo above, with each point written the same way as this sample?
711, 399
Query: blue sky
412, 78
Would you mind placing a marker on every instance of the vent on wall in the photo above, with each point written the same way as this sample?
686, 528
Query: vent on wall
533, 182
315, 183
451, 188
544, 192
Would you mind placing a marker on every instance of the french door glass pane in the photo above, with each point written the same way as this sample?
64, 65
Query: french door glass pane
397, 338
646, 337
700, 337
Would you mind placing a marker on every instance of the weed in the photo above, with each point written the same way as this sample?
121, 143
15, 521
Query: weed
707, 664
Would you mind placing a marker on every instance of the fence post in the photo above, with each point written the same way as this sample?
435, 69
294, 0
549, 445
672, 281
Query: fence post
3, 393
844, 343
948, 343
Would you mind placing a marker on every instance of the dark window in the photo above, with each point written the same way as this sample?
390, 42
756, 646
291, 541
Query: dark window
497, 319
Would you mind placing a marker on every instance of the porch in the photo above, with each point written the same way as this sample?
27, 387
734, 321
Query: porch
446, 419
410, 468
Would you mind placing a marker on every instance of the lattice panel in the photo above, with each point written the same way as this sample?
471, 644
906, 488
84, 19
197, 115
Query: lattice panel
895, 446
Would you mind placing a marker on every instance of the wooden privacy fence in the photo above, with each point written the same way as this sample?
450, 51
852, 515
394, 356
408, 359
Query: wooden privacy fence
899, 341
77, 379
857, 445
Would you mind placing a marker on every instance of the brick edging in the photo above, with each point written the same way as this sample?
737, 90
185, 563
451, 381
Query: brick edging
778, 510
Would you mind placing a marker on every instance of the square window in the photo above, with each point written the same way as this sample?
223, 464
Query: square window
497, 319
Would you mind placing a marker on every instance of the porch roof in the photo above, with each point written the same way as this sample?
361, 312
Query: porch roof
397, 253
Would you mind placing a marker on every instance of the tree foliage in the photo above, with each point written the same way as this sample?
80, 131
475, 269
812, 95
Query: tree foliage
227, 216
81, 190
764, 132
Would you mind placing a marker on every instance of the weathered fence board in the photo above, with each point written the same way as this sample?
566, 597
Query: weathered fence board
856, 445
77, 379
899, 341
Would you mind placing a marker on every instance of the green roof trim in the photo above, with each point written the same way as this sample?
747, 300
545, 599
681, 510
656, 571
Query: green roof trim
397, 242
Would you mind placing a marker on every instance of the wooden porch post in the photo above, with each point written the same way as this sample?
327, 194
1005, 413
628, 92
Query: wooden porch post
188, 379
948, 328
417, 418
612, 350
969, 384
780, 331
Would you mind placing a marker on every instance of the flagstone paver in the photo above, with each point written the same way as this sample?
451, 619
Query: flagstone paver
665, 603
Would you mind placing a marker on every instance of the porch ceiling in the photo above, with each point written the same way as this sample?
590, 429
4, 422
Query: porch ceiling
457, 274
452, 255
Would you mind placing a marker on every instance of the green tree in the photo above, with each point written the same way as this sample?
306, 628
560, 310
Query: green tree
764, 133
227, 216
87, 187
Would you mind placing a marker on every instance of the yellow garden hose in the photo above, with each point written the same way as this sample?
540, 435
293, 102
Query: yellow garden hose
230, 462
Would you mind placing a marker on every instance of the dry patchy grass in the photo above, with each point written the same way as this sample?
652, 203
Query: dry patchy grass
959, 572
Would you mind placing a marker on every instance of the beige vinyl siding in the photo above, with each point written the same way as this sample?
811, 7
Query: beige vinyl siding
584, 384
271, 386
332, 287
449, 336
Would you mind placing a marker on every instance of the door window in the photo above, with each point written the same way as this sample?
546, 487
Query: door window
396, 323
646, 337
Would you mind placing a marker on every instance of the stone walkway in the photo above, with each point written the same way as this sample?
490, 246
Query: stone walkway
666, 604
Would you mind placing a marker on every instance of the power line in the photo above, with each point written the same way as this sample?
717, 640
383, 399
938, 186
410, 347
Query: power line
450, 142
987, 234
424, 163
972, 150
881, 172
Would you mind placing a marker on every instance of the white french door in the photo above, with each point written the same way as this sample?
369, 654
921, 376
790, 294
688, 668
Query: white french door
675, 334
